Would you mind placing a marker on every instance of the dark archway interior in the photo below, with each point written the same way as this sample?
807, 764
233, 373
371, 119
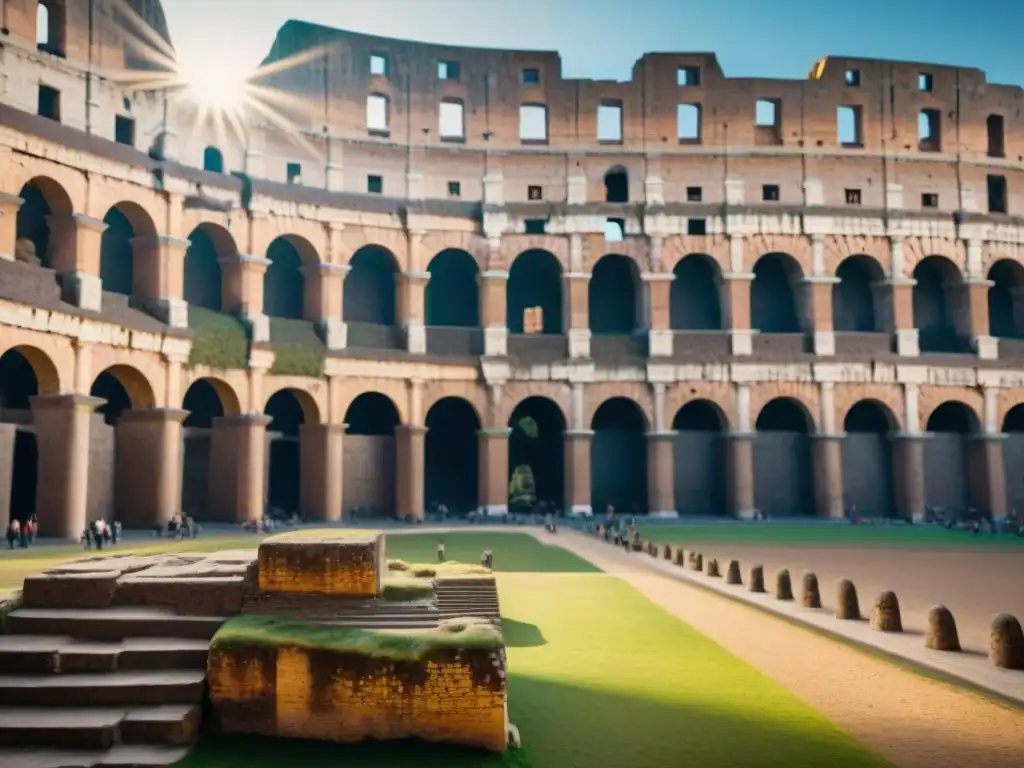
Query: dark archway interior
947, 458
1014, 419
535, 280
935, 304
117, 399
202, 272
452, 293
451, 461
213, 160
868, 487
694, 300
1004, 317
783, 415
773, 295
1013, 459
618, 458
116, 256
372, 414
537, 440
612, 296
31, 222
203, 405
370, 460
616, 185
284, 287
18, 383
285, 475
853, 299
952, 417
699, 459
369, 293
783, 479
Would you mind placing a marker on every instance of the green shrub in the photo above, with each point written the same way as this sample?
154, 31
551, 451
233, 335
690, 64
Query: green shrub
219, 341
298, 350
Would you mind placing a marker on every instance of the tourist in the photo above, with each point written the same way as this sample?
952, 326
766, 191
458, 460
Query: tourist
13, 532
440, 550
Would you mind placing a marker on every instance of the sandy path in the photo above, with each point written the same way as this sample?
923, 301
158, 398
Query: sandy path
909, 720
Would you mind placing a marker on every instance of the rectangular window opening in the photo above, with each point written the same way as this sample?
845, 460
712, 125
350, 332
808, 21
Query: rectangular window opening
770, 193
614, 230
767, 122
929, 200
995, 126
124, 130
375, 184
696, 226
534, 192
377, 113
609, 122
50, 26
853, 78
49, 103
694, 194
294, 173
849, 121
925, 82
536, 226
997, 200
688, 123
448, 70
454, 189
929, 131
531, 76
378, 64
852, 196
451, 121
533, 123
688, 76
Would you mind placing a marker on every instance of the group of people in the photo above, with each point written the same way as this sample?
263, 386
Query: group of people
20, 533
99, 533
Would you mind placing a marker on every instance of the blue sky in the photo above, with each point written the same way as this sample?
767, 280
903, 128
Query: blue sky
602, 38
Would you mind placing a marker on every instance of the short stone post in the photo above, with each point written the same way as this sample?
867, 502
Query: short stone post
941, 634
756, 581
680, 558
712, 568
697, 561
1006, 643
812, 597
732, 573
885, 616
783, 585
667, 552
847, 605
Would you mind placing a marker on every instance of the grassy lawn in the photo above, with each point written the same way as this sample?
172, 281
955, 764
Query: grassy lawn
598, 677
797, 534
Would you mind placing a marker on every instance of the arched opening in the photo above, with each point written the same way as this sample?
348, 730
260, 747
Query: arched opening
284, 472
203, 405
536, 453
699, 459
19, 454
213, 160
774, 294
202, 270
783, 478
694, 300
1006, 300
1013, 460
616, 185
451, 461
284, 286
612, 296
535, 280
618, 458
369, 295
937, 302
452, 294
853, 297
369, 476
947, 458
868, 488
42, 198
117, 267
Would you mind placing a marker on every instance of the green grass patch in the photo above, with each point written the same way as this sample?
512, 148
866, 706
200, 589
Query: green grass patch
404, 588
298, 350
219, 341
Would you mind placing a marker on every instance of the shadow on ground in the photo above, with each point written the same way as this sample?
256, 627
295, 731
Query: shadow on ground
519, 634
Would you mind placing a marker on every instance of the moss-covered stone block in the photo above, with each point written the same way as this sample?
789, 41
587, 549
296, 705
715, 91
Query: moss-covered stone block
339, 563
219, 341
298, 349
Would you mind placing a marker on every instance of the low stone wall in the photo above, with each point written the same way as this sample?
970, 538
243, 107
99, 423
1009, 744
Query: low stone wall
340, 563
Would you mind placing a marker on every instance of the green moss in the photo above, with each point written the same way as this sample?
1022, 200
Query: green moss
298, 350
402, 588
449, 569
219, 340
248, 630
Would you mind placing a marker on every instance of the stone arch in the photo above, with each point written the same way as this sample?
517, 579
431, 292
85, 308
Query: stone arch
370, 461
917, 249
613, 295
783, 472
213, 160
203, 275
618, 457
854, 308
206, 400
537, 441
128, 226
305, 402
939, 300
124, 388
699, 458
695, 302
453, 294
775, 291
838, 248
949, 458
36, 363
369, 292
284, 283
535, 280
869, 489
451, 456
289, 411
42, 197
616, 185
1006, 299
1013, 458
20, 381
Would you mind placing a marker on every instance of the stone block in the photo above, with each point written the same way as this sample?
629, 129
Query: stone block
783, 585
885, 616
942, 634
812, 596
339, 563
847, 605
1006, 643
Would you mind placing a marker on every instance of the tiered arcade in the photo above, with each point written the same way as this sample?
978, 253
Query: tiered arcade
794, 296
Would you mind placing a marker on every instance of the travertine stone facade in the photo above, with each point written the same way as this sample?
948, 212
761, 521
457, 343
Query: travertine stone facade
820, 313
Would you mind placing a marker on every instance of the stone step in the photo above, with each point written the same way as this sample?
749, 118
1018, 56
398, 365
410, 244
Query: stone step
122, 756
35, 654
109, 624
113, 689
99, 729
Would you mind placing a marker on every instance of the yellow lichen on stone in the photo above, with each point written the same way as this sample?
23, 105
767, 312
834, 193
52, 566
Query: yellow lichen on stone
331, 562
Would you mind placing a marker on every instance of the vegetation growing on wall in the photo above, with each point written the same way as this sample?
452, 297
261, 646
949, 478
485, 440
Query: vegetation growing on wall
298, 350
219, 340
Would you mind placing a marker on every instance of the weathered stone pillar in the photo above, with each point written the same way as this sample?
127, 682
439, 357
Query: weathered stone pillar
661, 492
9, 205
238, 467
987, 475
493, 469
977, 320
828, 476
409, 458
8, 434
736, 297
158, 277
494, 311
321, 449
740, 466
74, 253
659, 291
576, 300
818, 298
61, 425
577, 472
411, 287
147, 475
908, 474
325, 284
242, 291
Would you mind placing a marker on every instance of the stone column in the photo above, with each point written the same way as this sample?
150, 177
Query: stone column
576, 300
493, 471
818, 297
9, 205
977, 320
740, 468
237, 467
158, 277
736, 302
322, 302
987, 474
409, 458
147, 475
908, 474
494, 311
661, 491
61, 425
242, 291
659, 293
411, 287
828, 475
577, 472
321, 449
74, 253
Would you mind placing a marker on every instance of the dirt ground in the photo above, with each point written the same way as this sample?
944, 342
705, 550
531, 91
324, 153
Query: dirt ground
912, 721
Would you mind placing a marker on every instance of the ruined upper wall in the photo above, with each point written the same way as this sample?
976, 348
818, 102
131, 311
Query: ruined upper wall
493, 84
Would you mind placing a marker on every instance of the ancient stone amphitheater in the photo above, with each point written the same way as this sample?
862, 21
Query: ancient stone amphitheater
684, 293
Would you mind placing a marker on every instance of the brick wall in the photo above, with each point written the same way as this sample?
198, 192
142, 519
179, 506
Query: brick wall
305, 565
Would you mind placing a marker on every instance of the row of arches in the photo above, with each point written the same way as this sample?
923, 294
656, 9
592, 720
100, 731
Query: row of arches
616, 301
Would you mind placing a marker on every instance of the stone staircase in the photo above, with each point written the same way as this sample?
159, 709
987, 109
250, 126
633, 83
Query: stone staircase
468, 597
115, 686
